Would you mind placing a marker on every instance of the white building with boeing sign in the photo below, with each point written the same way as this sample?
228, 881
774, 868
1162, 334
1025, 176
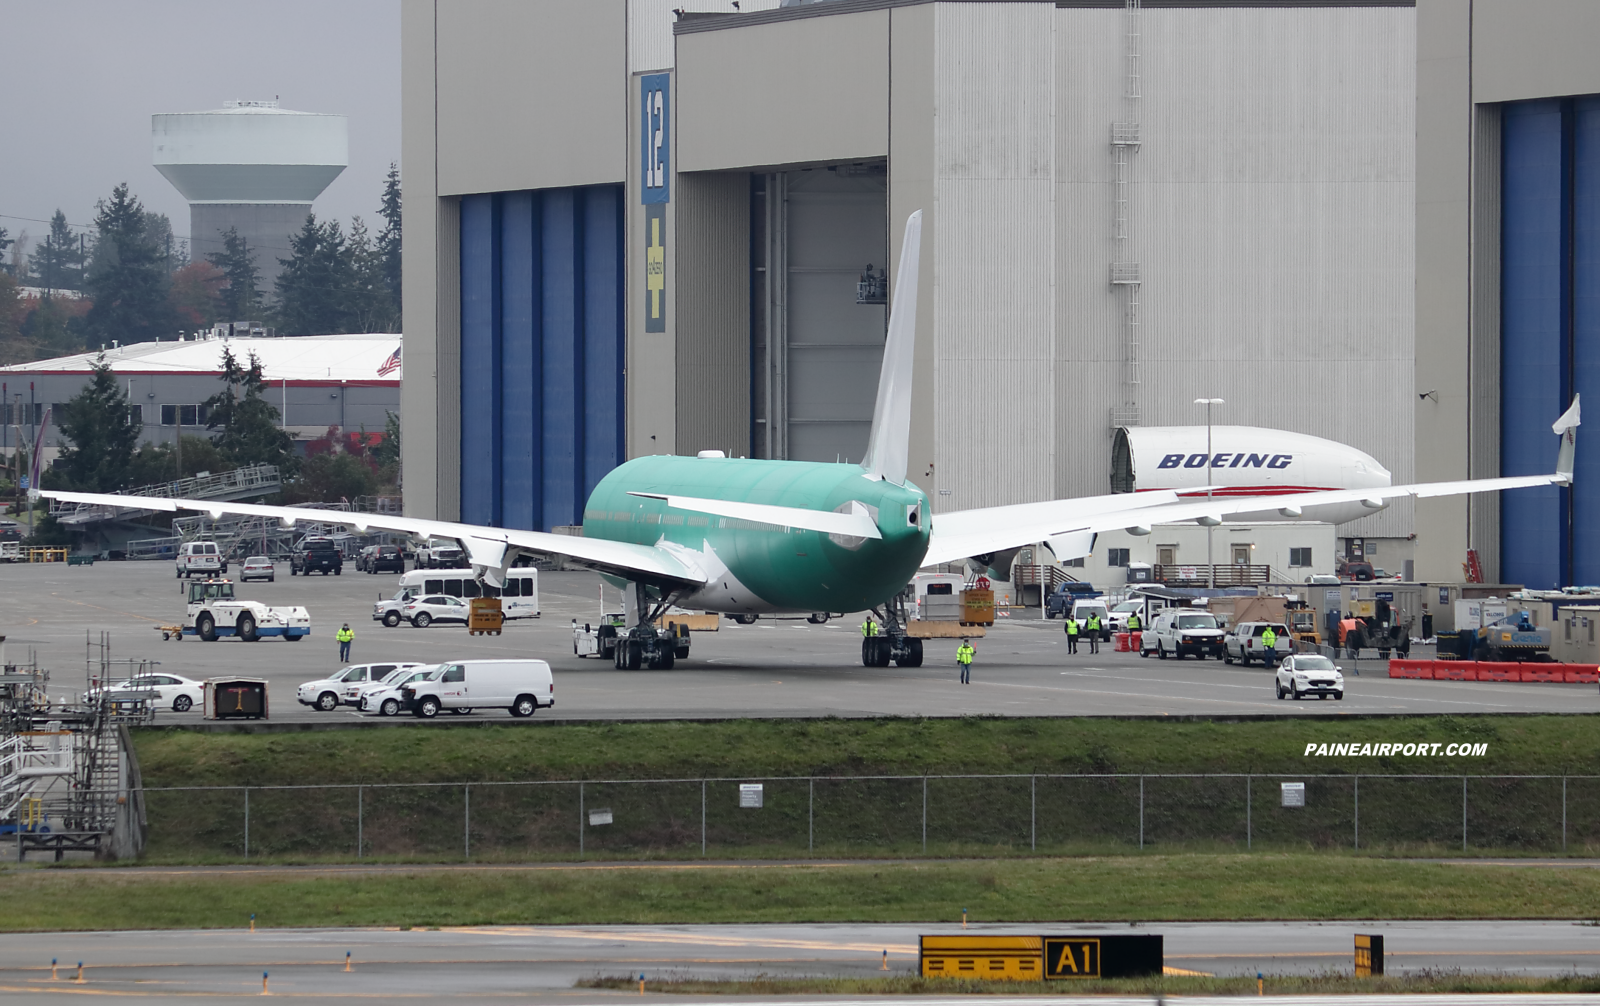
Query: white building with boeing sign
632, 232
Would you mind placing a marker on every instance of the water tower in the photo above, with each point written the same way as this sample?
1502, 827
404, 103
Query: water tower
249, 165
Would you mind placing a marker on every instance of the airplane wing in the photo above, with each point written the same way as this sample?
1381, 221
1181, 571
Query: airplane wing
1070, 525
491, 549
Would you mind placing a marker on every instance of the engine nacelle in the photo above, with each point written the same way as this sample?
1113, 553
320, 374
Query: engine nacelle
1245, 461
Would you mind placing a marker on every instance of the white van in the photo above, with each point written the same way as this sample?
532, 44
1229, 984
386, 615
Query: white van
1086, 606
201, 557
518, 686
518, 599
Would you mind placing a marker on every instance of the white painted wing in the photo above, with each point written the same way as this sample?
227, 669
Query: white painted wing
980, 532
490, 548
858, 525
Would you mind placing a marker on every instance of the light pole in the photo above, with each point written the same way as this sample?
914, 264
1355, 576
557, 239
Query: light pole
1211, 568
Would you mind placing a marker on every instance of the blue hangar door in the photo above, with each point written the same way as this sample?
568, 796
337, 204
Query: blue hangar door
541, 353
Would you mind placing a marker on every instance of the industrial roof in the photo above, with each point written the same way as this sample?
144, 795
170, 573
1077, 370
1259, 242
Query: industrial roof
287, 358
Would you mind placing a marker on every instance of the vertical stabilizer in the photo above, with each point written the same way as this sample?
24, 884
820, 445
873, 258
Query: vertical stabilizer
888, 449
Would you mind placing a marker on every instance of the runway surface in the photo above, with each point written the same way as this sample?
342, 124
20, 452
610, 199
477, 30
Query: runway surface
772, 668
537, 963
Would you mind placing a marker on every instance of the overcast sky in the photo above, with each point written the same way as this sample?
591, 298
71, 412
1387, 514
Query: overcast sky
81, 79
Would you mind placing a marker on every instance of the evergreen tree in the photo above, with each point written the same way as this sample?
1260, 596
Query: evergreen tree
388, 450
103, 433
5, 242
57, 262
241, 299
10, 311
389, 239
314, 286
368, 301
129, 274
246, 423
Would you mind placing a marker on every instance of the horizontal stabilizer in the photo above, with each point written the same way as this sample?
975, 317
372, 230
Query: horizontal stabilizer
857, 525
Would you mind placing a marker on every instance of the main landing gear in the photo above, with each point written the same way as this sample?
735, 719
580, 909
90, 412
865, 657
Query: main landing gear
644, 644
893, 645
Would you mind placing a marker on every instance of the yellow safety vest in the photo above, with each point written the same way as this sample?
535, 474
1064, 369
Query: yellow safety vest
1133, 623
345, 635
964, 654
869, 628
1072, 626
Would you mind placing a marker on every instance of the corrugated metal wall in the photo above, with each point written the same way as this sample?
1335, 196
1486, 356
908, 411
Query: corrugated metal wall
993, 253
1483, 417
712, 313
1273, 219
447, 359
1585, 493
541, 352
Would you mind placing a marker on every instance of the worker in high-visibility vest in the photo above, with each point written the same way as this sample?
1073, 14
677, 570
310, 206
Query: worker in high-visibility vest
964, 654
345, 636
1093, 628
869, 627
1072, 633
1269, 646
1133, 621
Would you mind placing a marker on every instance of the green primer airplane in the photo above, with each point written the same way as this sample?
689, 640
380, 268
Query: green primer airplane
748, 536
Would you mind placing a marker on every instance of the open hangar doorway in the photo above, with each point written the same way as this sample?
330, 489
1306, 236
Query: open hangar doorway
817, 323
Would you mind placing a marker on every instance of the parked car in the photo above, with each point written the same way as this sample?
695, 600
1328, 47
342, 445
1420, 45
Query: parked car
1082, 608
519, 686
1244, 643
381, 559
201, 557
388, 609
424, 611
440, 553
1356, 570
343, 687
1061, 599
384, 697
1118, 616
181, 694
316, 555
1182, 631
258, 567
1303, 674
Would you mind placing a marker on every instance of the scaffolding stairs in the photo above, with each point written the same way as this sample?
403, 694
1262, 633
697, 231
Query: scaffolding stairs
241, 483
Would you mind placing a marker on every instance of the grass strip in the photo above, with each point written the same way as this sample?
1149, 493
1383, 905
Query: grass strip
1147, 888
1447, 981
829, 747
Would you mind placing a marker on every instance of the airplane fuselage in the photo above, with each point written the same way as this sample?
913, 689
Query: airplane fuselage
759, 568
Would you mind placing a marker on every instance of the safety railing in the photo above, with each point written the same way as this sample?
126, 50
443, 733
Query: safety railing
251, 480
870, 816
1220, 575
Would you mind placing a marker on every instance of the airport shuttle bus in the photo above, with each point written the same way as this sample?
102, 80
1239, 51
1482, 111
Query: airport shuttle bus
518, 599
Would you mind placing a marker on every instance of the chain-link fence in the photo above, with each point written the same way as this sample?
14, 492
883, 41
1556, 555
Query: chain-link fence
874, 816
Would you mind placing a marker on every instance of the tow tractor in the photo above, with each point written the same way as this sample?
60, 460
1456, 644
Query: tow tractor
214, 612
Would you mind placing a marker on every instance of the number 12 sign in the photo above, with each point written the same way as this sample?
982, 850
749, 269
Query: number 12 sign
657, 137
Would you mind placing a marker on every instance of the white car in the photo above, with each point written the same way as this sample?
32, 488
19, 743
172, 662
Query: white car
181, 694
1245, 642
1303, 674
424, 611
258, 567
343, 688
1118, 617
385, 699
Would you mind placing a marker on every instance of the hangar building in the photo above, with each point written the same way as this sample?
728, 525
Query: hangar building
1508, 278
316, 381
630, 232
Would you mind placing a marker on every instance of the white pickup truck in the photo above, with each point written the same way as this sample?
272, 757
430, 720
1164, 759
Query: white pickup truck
213, 612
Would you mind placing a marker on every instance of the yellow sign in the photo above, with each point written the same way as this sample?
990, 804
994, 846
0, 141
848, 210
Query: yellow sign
655, 268
995, 958
1069, 958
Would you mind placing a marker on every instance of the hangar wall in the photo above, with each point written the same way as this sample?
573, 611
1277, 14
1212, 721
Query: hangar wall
1505, 276
1271, 217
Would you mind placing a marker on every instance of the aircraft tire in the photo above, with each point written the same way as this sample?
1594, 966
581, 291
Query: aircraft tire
913, 655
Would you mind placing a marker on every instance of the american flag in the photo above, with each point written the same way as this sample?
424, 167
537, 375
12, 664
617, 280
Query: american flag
390, 365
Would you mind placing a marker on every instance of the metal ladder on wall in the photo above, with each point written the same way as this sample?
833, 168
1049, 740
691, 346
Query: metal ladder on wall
1125, 139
